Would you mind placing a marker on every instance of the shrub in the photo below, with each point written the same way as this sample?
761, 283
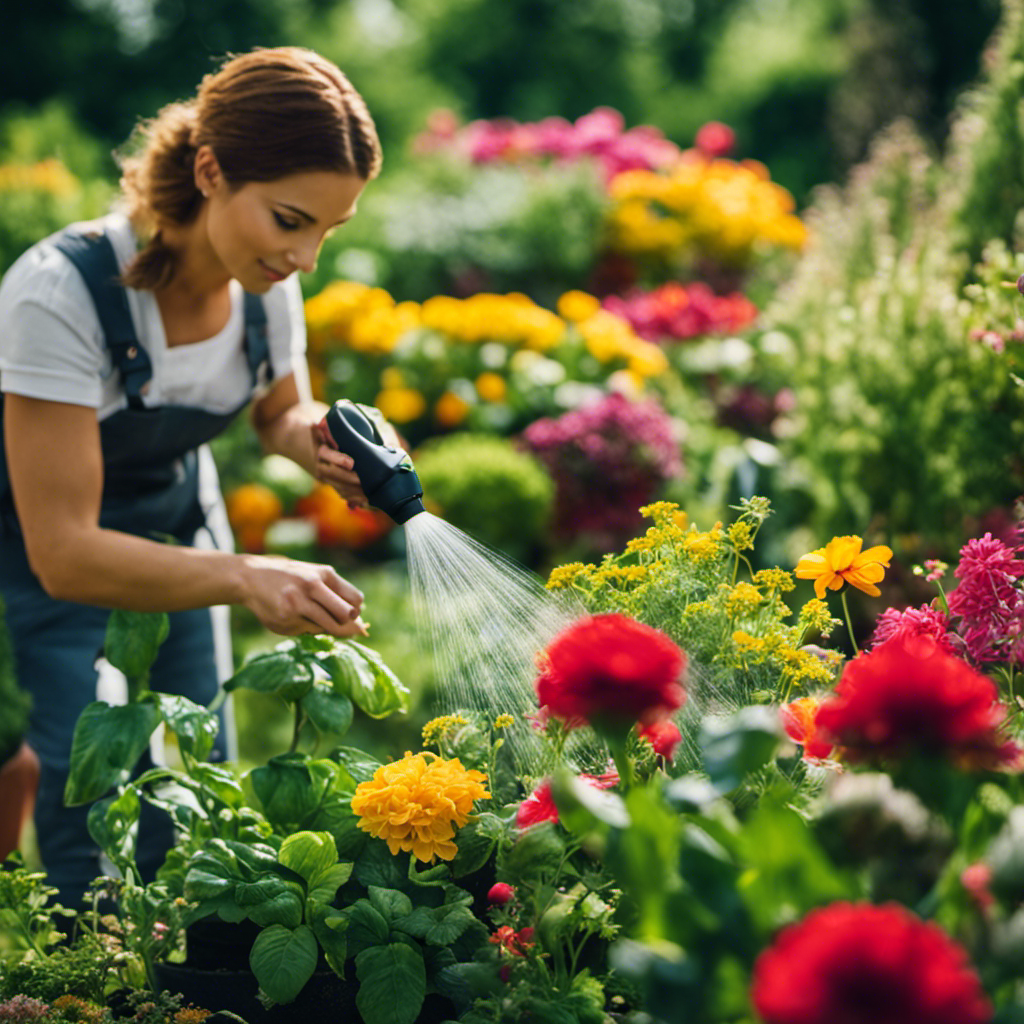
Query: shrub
484, 486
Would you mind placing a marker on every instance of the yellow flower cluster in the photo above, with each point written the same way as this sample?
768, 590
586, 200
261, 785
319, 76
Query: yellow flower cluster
416, 804
775, 579
48, 175
364, 319
797, 666
437, 728
515, 320
609, 338
719, 207
742, 599
504, 722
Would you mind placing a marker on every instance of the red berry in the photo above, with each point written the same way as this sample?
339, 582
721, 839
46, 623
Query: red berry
500, 893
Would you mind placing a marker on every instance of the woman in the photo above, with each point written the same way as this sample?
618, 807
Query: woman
128, 343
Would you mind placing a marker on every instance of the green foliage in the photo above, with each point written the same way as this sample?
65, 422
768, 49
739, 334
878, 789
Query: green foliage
14, 701
446, 227
484, 486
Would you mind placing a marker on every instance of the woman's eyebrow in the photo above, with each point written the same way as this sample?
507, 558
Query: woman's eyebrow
312, 220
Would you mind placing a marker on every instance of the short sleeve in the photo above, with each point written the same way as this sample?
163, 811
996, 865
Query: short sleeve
286, 330
51, 344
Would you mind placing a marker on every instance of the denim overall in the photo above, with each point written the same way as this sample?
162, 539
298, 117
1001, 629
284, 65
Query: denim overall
151, 489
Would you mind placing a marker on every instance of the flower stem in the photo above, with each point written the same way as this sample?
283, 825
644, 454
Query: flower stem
849, 623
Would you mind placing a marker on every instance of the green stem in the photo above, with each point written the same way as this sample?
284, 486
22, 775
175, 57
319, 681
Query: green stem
623, 765
300, 721
942, 597
849, 623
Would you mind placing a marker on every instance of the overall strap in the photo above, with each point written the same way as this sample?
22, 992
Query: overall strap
93, 255
257, 348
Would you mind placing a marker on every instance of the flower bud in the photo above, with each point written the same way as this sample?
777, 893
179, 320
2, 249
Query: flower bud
500, 893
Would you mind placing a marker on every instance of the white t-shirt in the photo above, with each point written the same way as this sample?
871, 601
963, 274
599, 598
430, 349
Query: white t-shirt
52, 346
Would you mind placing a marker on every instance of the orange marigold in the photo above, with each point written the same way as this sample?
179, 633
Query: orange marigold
842, 561
416, 804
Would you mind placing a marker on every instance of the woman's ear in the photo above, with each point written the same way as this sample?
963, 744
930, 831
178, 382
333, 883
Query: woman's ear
207, 172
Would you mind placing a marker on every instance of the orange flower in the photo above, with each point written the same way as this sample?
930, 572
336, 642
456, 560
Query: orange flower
842, 561
799, 721
450, 410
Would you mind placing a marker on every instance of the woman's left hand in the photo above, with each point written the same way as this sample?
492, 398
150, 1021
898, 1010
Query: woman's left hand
335, 468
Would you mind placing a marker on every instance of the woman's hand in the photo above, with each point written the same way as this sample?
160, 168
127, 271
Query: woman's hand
335, 467
291, 597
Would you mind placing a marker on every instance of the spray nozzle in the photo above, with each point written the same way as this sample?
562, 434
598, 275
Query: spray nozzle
386, 472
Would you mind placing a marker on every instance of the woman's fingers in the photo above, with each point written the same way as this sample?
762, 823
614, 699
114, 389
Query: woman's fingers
335, 468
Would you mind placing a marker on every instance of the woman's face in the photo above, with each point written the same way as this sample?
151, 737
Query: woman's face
262, 231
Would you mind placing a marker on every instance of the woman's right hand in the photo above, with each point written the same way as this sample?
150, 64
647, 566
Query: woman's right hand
291, 597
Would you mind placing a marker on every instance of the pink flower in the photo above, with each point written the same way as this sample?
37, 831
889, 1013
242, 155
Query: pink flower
715, 139
989, 601
911, 622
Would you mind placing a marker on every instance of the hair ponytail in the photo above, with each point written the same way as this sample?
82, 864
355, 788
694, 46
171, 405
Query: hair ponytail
265, 114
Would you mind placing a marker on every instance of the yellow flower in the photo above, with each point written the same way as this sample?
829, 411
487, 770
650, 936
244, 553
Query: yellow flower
504, 722
416, 804
567, 575
400, 405
741, 599
741, 535
774, 579
491, 387
576, 306
438, 728
842, 561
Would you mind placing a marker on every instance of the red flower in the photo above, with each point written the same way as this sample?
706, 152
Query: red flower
861, 964
909, 694
663, 736
540, 804
516, 943
613, 668
715, 139
799, 719
911, 622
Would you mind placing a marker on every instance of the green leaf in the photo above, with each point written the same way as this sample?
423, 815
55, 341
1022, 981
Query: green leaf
330, 926
378, 866
418, 923
271, 900
283, 960
366, 927
328, 884
357, 763
392, 984
112, 822
277, 672
309, 854
132, 641
195, 726
219, 782
452, 922
390, 903
327, 710
738, 745
359, 673
291, 787
107, 745
537, 853
474, 850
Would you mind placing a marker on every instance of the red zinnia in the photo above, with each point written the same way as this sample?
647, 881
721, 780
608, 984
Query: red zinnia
908, 694
860, 964
613, 668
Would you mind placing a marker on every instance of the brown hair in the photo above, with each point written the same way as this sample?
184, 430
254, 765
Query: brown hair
265, 114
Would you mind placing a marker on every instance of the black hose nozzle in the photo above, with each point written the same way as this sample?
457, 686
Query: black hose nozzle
389, 481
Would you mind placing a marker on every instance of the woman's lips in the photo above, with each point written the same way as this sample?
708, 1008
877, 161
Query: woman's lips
274, 275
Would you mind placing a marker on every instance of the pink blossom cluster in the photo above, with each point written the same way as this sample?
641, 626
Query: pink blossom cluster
986, 610
607, 460
677, 312
600, 135
997, 340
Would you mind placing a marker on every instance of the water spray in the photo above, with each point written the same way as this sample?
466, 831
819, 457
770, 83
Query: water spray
386, 472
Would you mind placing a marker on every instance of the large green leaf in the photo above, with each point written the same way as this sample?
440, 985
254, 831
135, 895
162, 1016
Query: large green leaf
271, 900
277, 672
309, 854
283, 960
378, 866
390, 903
359, 765
366, 927
327, 710
392, 984
291, 787
132, 642
195, 726
329, 925
451, 922
736, 746
107, 745
359, 673
112, 824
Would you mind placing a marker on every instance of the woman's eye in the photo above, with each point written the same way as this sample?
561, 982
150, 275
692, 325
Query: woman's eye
285, 223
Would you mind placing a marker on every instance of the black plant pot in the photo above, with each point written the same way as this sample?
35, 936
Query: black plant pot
216, 976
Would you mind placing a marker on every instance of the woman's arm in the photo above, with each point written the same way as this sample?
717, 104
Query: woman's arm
56, 468
287, 424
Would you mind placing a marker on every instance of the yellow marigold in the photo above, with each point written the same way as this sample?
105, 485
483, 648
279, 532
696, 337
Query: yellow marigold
438, 728
491, 387
450, 410
775, 579
576, 306
416, 804
400, 405
742, 599
504, 722
566, 575
842, 561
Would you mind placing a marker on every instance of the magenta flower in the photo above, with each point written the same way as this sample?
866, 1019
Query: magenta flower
914, 622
